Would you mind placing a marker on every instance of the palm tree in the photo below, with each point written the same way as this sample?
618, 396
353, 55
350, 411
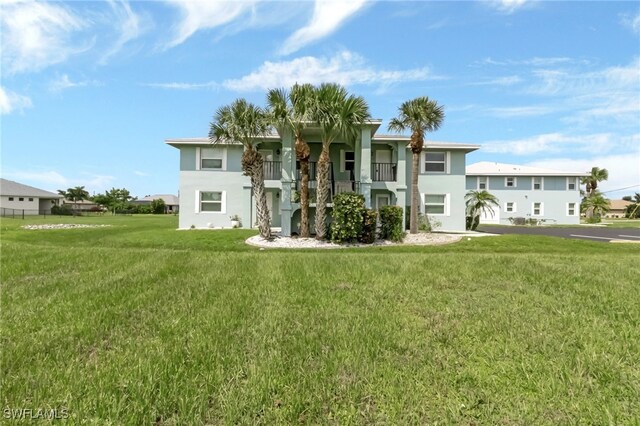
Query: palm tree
419, 115
244, 122
597, 175
633, 209
479, 202
597, 204
338, 114
293, 110
75, 194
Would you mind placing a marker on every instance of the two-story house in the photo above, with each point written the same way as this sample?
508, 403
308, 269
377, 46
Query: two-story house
213, 188
527, 192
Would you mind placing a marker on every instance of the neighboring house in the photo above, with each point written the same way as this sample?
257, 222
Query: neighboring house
171, 202
527, 192
213, 187
618, 208
16, 198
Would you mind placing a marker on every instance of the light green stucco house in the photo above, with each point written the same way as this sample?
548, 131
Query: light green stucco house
213, 188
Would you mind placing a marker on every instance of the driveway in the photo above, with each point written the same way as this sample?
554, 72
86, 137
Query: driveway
591, 233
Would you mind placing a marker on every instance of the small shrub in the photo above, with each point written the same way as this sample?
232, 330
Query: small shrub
391, 223
594, 219
158, 206
517, 220
348, 211
428, 224
63, 210
369, 223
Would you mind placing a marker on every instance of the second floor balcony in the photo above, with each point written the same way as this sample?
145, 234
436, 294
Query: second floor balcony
383, 172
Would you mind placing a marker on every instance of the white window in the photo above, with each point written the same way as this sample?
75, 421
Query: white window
510, 207
571, 184
211, 201
571, 209
510, 182
537, 209
482, 183
212, 159
435, 162
537, 183
435, 204
348, 161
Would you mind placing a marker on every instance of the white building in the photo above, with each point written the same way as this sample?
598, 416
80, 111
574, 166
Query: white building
19, 199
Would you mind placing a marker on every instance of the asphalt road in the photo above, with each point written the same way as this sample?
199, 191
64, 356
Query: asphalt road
591, 233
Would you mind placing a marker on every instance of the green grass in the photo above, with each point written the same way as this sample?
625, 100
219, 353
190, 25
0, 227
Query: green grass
139, 323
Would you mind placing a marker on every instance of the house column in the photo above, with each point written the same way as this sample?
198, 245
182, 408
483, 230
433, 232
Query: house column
287, 180
246, 206
401, 178
365, 165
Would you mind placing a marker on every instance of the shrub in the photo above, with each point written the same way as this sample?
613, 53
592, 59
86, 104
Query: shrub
594, 219
158, 206
369, 224
391, 223
348, 211
63, 210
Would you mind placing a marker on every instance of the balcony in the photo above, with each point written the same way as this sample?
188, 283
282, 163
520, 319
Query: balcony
383, 172
272, 170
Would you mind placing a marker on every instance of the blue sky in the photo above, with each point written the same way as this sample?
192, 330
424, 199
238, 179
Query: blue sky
90, 90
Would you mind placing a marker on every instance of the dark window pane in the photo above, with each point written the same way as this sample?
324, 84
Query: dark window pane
434, 167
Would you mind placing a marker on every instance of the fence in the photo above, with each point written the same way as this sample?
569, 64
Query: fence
26, 213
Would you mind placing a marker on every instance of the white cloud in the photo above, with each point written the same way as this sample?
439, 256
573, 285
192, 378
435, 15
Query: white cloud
508, 6
11, 101
141, 174
128, 26
184, 86
199, 15
64, 82
49, 179
536, 61
500, 81
327, 17
521, 111
37, 34
632, 22
598, 143
345, 68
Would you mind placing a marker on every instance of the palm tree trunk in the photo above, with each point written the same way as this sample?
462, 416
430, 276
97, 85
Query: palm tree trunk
415, 195
304, 198
322, 192
262, 210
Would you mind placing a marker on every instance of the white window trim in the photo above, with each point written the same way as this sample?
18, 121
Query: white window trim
573, 180
343, 159
575, 209
447, 162
447, 197
223, 208
533, 206
486, 183
533, 183
515, 182
199, 159
515, 207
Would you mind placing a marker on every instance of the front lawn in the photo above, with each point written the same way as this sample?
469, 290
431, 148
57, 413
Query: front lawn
138, 323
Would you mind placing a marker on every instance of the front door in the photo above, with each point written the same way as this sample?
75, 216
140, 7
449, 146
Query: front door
382, 200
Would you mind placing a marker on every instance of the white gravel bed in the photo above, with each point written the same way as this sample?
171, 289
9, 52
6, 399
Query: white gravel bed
422, 239
61, 226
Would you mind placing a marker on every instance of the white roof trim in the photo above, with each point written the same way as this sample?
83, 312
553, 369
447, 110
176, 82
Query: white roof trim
487, 168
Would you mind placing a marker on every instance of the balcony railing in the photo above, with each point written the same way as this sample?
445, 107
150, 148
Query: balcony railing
272, 170
383, 172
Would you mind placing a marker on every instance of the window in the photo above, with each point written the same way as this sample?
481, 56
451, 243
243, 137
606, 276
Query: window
212, 158
212, 202
510, 182
537, 209
510, 207
571, 209
537, 183
435, 162
30, 199
20, 199
349, 163
10, 198
482, 183
571, 184
435, 203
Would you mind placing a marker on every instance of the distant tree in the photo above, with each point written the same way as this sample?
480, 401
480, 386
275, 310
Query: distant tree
114, 199
597, 204
479, 202
158, 206
633, 210
591, 184
75, 194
